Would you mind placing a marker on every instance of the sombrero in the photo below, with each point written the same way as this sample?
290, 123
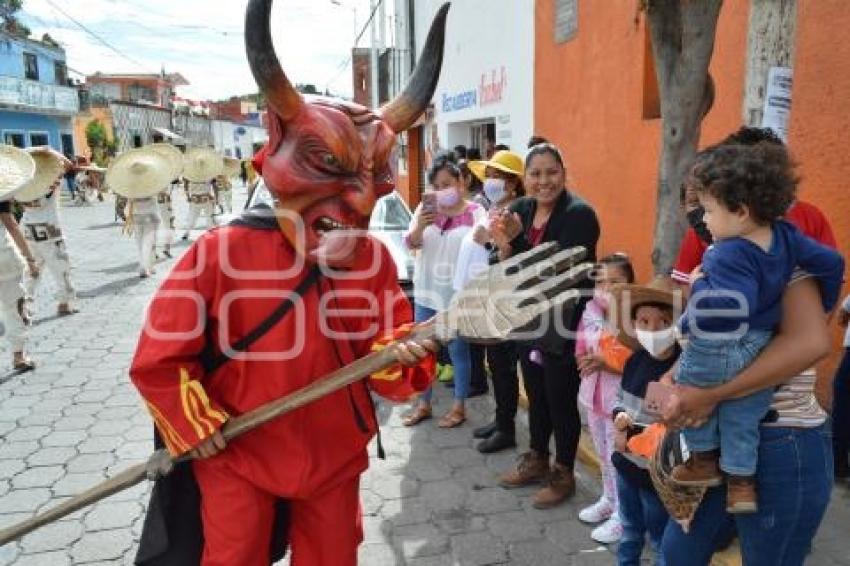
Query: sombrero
232, 166
504, 160
139, 173
16, 168
627, 298
201, 164
50, 165
93, 168
174, 155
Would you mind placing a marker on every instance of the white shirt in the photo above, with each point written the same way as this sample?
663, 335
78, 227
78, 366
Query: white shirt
472, 259
436, 260
199, 189
45, 211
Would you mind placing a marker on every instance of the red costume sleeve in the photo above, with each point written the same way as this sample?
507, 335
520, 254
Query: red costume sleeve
166, 368
399, 383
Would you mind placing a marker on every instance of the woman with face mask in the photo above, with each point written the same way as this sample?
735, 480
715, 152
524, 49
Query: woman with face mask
501, 180
439, 225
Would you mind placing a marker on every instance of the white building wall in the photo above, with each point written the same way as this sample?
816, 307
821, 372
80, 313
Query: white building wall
488, 69
230, 136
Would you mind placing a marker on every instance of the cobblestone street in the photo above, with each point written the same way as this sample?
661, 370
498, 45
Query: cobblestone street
76, 420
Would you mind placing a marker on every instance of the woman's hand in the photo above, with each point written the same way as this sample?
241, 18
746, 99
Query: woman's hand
591, 363
505, 228
689, 407
621, 441
412, 352
696, 274
480, 236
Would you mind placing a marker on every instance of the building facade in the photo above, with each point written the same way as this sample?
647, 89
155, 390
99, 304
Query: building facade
37, 105
235, 139
149, 89
485, 94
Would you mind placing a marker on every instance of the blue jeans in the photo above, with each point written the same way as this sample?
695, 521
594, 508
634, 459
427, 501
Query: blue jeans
733, 427
459, 354
641, 512
794, 483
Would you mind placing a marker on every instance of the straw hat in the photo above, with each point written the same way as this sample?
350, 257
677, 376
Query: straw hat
627, 298
50, 165
174, 155
139, 173
202, 164
16, 168
680, 501
232, 166
504, 160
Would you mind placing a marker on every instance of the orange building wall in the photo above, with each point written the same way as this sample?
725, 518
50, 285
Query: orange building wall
82, 120
589, 100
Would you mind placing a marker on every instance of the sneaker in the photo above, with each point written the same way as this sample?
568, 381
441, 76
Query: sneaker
446, 372
532, 468
701, 470
741, 495
596, 513
560, 486
608, 532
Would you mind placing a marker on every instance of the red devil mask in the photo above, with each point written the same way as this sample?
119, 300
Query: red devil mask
329, 160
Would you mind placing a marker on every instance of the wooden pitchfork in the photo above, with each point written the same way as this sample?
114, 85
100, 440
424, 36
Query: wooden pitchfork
509, 300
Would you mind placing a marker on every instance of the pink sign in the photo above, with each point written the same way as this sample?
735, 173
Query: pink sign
491, 92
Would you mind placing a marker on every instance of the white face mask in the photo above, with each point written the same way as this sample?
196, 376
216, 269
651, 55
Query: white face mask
494, 189
656, 343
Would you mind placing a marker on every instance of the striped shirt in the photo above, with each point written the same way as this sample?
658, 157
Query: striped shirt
795, 401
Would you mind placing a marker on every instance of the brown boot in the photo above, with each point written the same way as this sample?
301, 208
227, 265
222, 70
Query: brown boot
560, 486
532, 468
741, 494
700, 470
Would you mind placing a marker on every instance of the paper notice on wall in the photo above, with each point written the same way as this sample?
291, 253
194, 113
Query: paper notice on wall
777, 101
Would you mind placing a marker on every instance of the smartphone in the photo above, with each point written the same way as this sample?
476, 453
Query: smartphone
429, 203
657, 397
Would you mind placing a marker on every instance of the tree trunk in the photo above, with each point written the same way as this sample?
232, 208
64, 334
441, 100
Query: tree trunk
770, 43
682, 34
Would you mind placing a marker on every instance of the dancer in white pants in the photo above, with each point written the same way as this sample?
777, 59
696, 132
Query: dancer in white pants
201, 202
224, 194
143, 215
11, 285
44, 235
166, 213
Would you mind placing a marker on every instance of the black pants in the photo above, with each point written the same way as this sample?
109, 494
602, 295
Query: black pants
502, 359
552, 391
478, 377
841, 411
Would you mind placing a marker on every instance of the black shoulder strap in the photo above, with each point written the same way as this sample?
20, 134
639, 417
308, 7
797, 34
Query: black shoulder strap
212, 360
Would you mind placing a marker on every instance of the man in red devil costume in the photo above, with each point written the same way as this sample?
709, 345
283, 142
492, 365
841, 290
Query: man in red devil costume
326, 163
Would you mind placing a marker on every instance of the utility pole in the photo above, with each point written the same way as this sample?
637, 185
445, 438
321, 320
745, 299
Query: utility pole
373, 63
770, 43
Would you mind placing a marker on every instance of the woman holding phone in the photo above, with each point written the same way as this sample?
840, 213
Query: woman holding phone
439, 225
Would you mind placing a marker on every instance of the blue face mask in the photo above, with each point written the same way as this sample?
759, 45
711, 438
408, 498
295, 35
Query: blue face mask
494, 189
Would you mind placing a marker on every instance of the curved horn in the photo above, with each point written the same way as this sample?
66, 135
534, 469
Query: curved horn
280, 94
401, 112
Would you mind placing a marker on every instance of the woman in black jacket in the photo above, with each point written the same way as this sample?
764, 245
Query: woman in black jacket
549, 368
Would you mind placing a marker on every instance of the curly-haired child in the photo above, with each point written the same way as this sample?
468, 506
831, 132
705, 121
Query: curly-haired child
600, 360
735, 302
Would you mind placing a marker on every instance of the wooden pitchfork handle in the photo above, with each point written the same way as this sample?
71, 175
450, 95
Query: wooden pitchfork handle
160, 462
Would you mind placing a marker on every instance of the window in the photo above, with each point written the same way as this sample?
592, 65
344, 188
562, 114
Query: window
14, 138
61, 73
137, 140
39, 138
30, 66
